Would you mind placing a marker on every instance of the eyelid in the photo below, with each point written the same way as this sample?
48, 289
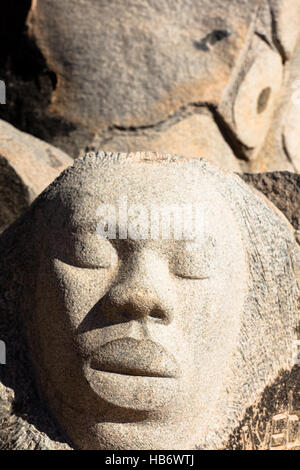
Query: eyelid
89, 253
185, 265
192, 277
84, 265
95, 267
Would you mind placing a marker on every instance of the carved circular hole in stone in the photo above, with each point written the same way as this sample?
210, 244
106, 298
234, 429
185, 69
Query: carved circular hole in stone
263, 99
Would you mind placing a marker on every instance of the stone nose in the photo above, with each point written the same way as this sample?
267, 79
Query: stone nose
143, 291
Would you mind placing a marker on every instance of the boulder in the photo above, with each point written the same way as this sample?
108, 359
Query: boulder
27, 166
135, 76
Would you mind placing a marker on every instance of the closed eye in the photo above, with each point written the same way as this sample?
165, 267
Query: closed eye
194, 261
85, 265
192, 277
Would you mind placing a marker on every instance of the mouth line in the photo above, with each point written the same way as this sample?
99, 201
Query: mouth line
134, 372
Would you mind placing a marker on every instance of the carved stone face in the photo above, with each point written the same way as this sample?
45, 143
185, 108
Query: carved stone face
133, 338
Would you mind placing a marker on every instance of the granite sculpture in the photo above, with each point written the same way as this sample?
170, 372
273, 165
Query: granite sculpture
149, 302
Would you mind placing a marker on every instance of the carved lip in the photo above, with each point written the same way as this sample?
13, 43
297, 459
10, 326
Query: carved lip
129, 356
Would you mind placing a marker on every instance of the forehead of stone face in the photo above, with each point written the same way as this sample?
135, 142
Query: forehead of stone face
140, 182
134, 62
165, 186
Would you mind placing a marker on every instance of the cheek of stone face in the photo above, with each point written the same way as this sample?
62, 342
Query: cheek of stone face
52, 336
88, 324
82, 289
214, 305
65, 297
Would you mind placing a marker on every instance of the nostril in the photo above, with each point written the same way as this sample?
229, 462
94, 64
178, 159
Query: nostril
160, 314
156, 314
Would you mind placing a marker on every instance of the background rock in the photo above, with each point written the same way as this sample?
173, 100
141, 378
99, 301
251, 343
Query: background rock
131, 76
146, 59
27, 166
195, 134
283, 190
